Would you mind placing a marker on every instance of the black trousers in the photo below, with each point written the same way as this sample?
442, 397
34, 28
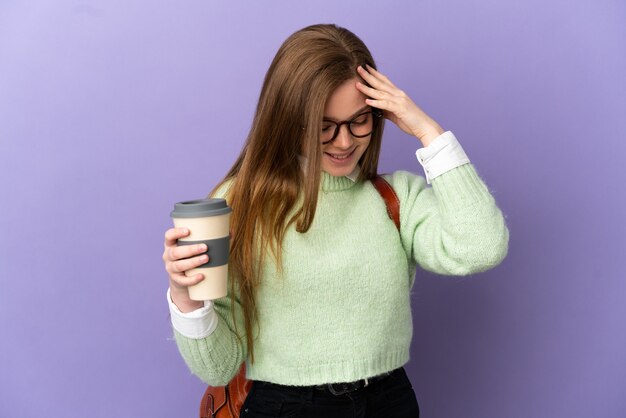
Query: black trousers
390, 397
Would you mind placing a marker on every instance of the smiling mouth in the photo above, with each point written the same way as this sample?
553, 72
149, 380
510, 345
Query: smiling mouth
341, 156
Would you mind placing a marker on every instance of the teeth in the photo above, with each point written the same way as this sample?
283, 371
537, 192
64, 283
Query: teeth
340, 157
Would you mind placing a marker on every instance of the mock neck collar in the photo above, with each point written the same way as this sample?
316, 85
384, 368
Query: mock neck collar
334, 183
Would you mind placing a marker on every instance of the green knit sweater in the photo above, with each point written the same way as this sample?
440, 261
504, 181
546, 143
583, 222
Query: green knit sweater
342, 310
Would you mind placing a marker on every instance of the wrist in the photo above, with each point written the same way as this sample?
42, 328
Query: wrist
180, 298
430, 135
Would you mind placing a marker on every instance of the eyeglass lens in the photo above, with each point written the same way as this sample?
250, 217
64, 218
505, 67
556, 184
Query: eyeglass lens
359, 126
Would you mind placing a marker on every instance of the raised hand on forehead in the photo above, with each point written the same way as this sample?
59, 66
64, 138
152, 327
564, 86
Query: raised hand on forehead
397, 106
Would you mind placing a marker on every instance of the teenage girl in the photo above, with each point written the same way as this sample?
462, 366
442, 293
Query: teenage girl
320, 276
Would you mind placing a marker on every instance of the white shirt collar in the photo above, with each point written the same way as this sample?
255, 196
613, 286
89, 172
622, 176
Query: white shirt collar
355, 173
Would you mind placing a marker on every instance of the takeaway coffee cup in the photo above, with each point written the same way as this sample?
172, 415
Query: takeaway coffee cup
208, 222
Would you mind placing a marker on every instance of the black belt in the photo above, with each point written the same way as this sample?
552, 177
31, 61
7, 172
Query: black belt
338, 389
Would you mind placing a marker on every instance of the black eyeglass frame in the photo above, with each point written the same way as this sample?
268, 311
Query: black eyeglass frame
377, 113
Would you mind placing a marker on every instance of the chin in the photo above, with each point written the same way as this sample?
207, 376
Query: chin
338, 172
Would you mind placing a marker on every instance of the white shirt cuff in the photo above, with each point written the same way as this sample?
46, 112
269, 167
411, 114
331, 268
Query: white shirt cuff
443, 154
195, 324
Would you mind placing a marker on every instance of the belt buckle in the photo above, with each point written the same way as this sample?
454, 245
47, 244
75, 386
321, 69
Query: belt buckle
355, 385
350, 387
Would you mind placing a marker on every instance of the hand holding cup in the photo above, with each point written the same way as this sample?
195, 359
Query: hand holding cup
200, 226
180, 259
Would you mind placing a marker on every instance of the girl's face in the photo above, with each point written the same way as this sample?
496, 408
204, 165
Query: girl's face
341, 155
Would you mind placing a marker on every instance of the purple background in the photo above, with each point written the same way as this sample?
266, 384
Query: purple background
112, 111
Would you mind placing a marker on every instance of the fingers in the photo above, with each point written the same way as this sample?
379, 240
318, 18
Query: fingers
173, 234
181, 266
179, 259
376, 94
382, 99
174, 253
383, 94
375, 79
180, 280
385, 105
379, 74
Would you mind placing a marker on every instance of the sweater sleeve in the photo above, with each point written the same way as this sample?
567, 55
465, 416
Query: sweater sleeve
453, 227
216, 358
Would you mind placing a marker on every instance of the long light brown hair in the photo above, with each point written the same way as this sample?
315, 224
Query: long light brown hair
267, 179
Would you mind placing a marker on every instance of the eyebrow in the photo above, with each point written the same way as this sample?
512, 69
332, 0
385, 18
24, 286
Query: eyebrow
353, 115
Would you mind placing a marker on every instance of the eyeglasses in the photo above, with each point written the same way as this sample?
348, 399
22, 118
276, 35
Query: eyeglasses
359, 126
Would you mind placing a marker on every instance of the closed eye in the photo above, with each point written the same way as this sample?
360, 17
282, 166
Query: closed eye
361, 119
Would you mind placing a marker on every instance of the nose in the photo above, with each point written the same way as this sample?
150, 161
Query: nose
344, 138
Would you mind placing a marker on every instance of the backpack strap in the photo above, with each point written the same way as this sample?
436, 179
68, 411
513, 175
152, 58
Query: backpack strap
391, 199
